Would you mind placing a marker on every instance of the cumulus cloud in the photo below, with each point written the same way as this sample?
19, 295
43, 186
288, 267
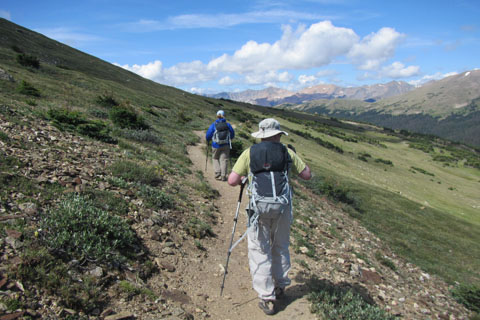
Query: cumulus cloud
152, 70
303, 48
398, 70
268, 77
226, 81
430, 77
305, 80
375, 49
5, 14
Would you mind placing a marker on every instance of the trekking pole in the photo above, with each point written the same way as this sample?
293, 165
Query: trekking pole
206, 159
233, 233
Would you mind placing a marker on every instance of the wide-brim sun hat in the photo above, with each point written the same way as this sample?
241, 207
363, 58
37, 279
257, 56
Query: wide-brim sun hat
268, 128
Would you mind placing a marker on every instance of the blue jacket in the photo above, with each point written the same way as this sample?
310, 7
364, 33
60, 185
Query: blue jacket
211, 130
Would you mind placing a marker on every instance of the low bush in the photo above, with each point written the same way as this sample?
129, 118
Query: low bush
65, 119
106, 100
27, 89
141, 136
334, 190
468, 295
198, 228
335, 302
76, 229
385, 261
155, 198
27, 60
134, 172
125, 117
96, 129
387, 162
39, 268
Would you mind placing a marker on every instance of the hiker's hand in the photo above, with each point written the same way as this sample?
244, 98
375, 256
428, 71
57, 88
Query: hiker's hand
291, 147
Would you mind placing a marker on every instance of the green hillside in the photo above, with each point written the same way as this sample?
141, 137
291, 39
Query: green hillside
417, 193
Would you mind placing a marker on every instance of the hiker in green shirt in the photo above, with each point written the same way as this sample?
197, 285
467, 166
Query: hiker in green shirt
268, 165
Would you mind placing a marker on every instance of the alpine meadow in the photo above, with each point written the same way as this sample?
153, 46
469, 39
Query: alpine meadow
104, 211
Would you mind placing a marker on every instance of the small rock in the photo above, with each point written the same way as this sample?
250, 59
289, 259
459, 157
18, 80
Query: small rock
120, 316
96, 272
168, 250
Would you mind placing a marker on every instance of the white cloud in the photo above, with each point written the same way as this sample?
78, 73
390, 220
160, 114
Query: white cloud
301, 49
5, 14
305, 80
152, 70
430, 77
190, 21
68, 36
398, 70
304, 48
226, 81
268, 77
375, 49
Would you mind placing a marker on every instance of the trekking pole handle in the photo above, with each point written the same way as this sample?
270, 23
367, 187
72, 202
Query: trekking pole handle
242, 185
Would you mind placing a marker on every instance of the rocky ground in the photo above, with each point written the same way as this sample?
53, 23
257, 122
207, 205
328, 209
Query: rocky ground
188, 276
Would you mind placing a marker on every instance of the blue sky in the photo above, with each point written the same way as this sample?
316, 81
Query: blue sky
213, 46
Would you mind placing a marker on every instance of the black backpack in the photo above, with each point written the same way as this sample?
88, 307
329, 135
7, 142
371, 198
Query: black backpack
222, 133
269, 189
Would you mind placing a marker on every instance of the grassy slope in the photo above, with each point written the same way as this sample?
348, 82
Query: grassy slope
431, 220
424, 220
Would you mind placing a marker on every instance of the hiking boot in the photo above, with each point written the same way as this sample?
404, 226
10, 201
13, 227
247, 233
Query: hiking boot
279, 293
224, 179
267, 306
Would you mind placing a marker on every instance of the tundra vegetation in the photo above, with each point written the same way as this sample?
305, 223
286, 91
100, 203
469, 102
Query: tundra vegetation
418, 193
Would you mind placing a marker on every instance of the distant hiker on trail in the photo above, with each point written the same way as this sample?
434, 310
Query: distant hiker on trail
221, 134
268, 165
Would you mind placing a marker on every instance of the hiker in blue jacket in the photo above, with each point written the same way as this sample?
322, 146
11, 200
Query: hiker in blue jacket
221, 134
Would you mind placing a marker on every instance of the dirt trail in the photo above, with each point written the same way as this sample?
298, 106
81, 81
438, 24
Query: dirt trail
239, 300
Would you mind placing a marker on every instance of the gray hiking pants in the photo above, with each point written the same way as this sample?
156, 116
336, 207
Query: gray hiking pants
220, 158
268, 253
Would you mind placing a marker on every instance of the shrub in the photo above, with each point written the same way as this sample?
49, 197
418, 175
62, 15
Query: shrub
27, 89
107, 201
141, 136
76, 229
198, 228
40, 269
468, 295
133, 172
335, 303
422, 171
333, 189
125, 117
385, 261
387, 162
106, 100
237, 149
65, 119
27, 60
96, 129
155, 198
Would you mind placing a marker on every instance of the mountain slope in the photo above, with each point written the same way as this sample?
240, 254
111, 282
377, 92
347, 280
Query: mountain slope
111, 160
275, 96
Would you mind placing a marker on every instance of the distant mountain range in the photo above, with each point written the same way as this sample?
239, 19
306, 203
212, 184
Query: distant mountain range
449, 108
275, 96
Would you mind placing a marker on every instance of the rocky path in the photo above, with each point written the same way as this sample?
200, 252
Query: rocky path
239, 300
